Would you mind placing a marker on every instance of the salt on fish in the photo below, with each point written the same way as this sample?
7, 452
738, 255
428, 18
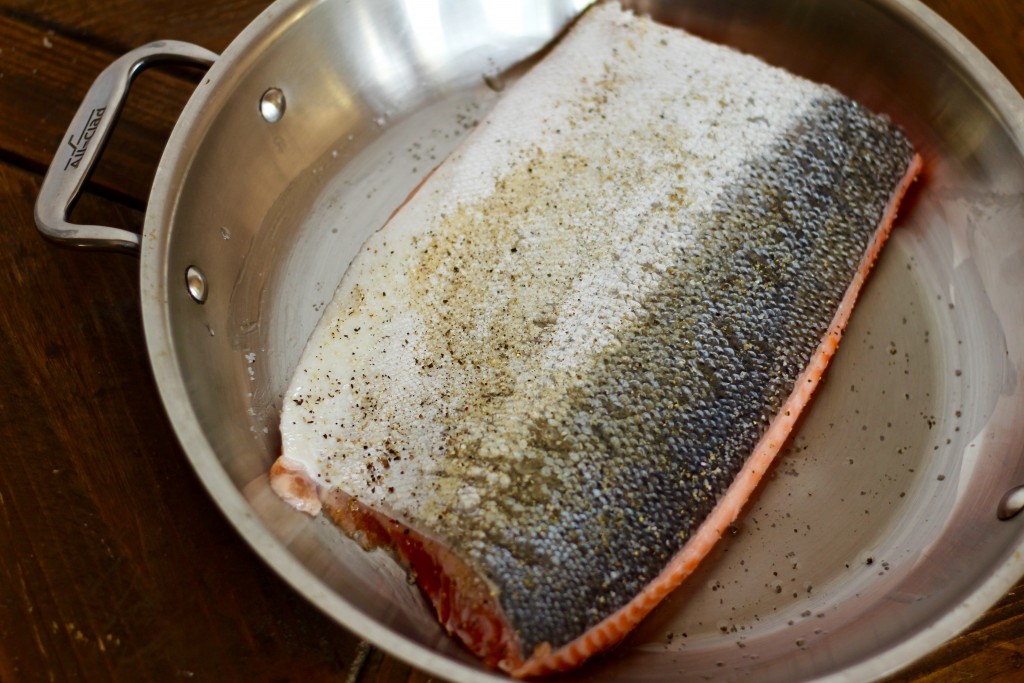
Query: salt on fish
551, 381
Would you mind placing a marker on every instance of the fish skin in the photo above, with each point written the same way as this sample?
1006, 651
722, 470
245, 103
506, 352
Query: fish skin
554, 365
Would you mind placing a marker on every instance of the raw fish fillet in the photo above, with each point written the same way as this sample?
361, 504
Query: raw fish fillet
555, 376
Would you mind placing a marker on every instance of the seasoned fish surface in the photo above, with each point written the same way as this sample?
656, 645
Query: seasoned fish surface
560, 357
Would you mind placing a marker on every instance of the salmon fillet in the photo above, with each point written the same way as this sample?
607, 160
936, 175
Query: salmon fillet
555, 376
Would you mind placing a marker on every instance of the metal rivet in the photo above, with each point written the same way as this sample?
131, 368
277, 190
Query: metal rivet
1011, 504
196, 283
272, 105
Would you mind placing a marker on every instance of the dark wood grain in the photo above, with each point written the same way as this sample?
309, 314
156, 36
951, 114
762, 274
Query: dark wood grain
120, 25
114, 563
47, 75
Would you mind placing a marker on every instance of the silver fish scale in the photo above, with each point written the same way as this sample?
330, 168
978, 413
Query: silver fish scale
667, 419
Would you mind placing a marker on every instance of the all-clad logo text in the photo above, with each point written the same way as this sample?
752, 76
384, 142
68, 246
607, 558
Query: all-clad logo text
79, 145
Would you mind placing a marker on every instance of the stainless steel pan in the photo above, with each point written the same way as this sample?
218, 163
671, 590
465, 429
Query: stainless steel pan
881, 535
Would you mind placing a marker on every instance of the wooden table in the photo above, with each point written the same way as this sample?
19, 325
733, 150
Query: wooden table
114, 563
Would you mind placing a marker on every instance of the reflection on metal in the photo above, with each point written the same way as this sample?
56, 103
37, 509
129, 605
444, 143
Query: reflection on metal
1011, 504
272, 105
196, 283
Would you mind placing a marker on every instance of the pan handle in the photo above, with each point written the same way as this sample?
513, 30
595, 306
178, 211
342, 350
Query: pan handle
84, 141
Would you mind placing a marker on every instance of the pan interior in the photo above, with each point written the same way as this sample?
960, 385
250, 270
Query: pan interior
879, 520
